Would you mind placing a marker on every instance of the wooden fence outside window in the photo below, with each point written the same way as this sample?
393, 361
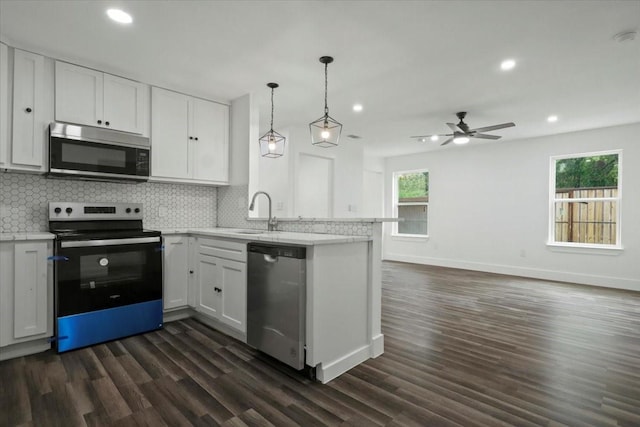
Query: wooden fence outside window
586, 221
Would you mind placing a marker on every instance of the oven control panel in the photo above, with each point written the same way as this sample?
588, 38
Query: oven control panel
71, 211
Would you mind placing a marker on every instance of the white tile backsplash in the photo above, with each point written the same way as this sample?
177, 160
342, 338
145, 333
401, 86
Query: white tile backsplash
24, 199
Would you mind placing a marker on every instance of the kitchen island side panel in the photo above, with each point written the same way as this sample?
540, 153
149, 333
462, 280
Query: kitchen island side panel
337, 307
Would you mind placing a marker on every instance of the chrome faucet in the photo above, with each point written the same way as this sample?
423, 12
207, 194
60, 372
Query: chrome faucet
273, 222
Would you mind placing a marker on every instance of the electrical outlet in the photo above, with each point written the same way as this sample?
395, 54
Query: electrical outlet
279, 205
163, 211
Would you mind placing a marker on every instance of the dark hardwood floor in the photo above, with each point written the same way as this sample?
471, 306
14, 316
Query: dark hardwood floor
461, 348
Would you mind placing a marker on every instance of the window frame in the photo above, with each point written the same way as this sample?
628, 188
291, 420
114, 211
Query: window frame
553, 200
395, 204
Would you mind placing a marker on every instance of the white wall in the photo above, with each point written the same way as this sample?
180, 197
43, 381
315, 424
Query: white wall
273, 177
243, 119
488, 210
281, 177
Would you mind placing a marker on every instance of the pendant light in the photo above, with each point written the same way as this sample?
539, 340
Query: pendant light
272, 143
325, 132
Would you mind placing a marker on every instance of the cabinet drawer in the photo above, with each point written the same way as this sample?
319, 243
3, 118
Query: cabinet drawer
221, 248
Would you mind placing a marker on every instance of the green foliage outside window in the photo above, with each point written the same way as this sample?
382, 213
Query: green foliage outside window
587, 172
413, 185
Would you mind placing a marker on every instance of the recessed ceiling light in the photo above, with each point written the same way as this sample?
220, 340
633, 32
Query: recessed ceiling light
434, 138
552, 119
507, 64
357, 107
120, 16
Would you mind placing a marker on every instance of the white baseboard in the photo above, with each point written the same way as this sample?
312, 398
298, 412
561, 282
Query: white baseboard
536, 273
377, 346
24, 349
325, 372
177, 314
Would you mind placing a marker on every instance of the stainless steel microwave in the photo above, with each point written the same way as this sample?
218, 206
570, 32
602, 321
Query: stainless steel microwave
99, 154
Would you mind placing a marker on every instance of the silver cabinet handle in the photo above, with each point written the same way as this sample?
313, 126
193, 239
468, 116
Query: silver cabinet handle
108, 242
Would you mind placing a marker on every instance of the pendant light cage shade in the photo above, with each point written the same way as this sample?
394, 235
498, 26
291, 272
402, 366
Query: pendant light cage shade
325, 132
272, 143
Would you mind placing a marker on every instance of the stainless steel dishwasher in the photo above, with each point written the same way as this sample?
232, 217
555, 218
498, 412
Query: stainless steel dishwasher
276, 301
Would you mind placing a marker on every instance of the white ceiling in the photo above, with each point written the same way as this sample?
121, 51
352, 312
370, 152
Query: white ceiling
412, 64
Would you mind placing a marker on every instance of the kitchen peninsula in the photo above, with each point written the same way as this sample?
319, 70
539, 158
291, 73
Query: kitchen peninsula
342, 321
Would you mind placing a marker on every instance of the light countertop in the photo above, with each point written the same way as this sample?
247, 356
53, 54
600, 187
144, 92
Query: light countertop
37, 235
308, 239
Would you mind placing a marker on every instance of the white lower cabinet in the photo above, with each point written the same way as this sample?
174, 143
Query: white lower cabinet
26, 291
175, 271
221, 281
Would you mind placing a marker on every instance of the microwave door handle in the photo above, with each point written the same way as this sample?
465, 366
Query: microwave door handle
108, 242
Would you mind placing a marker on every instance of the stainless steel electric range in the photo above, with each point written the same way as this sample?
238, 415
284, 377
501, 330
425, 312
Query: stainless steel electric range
107, 274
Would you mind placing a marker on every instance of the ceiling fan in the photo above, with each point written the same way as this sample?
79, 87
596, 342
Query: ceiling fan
461, 132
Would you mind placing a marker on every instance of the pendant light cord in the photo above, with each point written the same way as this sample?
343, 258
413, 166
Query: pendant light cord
326, 109
271, 109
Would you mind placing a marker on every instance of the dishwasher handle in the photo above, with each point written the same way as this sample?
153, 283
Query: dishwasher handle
276, 251
270, 258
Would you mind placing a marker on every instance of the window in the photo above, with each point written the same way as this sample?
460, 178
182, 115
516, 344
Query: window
411, 202
585, 196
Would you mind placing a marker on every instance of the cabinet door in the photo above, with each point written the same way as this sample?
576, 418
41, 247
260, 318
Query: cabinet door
79, 95
209, 281
4, 103
123, 104
176, 271
30, 315
210, 154
28, 116
169, 134
233, 307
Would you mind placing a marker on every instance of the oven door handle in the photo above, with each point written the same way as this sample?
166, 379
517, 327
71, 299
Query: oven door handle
108, 242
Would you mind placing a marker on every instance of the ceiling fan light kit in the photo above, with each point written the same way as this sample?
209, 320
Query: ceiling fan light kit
325, 132
462, 134
272, 143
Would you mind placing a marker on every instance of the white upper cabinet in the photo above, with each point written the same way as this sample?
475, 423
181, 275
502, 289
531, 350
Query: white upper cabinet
189, 138
26, 109
209, 126
29, 127
124, 103
94, 98
4, 103
169, 134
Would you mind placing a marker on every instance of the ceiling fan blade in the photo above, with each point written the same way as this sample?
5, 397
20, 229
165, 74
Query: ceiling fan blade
494, 127
429, 136
447, 141
453, 127
485, 136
